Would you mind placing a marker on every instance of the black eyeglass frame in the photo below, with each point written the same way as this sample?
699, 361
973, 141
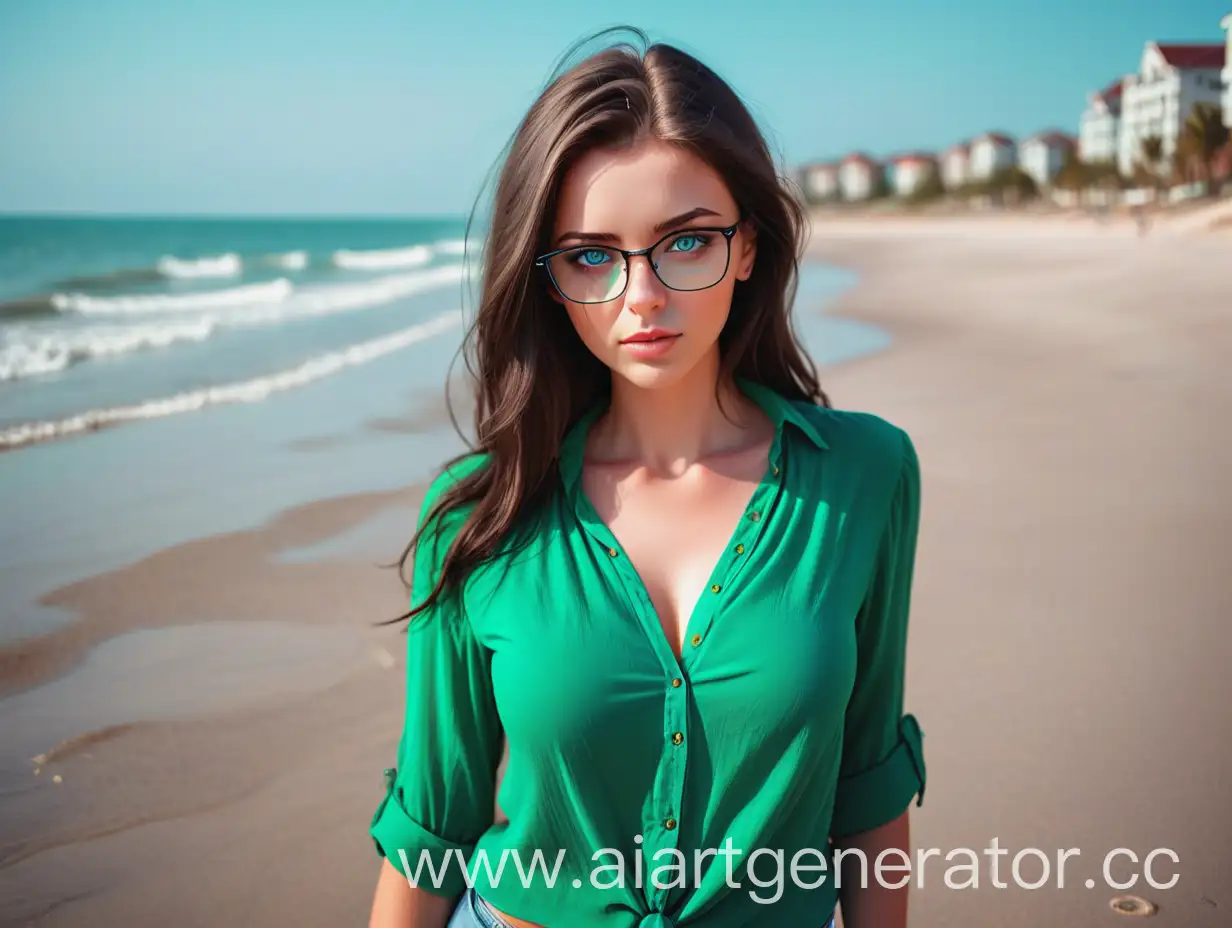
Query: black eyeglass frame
728, 232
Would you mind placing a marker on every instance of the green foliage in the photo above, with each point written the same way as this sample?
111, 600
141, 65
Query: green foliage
973, 188
1202, 137
1074, 173
881, 184
1103, 174
1152, 149
1206, 128
929, 189
1012, 184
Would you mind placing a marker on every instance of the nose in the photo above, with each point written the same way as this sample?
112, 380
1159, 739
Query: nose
645, 293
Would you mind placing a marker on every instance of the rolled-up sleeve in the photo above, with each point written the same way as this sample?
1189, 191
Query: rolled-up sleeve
882, 768
440, 796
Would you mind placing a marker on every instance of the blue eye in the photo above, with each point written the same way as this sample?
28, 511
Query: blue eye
593, 257
691, 243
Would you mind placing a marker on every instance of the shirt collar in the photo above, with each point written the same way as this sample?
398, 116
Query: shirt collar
780, 410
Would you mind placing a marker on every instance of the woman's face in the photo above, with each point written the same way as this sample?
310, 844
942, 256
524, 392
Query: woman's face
631, 199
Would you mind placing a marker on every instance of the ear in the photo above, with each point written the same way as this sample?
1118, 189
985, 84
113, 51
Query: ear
747, 251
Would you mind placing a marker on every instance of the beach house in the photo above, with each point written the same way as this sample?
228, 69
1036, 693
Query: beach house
1044, 154
1099, 129
911, 171
1157, 100
857, 176
991, 152
820, 181
955, 165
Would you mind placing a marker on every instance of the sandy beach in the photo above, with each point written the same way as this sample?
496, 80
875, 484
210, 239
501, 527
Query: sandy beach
1066, 383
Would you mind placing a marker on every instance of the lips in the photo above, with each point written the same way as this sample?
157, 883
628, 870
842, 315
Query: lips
654, 335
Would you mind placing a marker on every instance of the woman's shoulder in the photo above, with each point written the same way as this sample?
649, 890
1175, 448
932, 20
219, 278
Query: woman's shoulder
454, 472
865, 439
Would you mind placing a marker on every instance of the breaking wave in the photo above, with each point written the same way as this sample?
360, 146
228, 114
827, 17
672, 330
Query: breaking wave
253, 390
228, 265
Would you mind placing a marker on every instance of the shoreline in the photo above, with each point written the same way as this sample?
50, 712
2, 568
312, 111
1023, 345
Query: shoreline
104, 609
1059, 395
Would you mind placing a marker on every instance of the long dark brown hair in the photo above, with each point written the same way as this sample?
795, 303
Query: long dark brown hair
531, 374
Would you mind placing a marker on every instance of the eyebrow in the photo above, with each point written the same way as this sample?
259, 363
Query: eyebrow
696, 212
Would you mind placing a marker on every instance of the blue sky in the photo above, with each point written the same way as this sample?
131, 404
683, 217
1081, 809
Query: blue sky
402, 106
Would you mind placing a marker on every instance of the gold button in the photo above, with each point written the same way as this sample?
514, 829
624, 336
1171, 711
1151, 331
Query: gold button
740, 549
696, 639
670, 824
611, 551
714, 588
677, 737
676, 681
776, 470
755, 516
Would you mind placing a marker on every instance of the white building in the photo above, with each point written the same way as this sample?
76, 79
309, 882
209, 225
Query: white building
1226, 23
1044, 154
910, 171
821, 182
856, 176
989, 153
1157, 100
955, 165
1099, 131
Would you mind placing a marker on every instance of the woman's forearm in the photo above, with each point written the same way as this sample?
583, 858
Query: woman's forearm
398, 904
865, 901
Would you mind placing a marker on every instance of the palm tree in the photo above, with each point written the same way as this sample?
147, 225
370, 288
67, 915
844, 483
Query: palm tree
1152, 147
1202, 136
1074, 176
1186, 160
1152, 150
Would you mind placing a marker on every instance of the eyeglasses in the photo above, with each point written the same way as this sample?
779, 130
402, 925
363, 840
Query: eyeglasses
685, 260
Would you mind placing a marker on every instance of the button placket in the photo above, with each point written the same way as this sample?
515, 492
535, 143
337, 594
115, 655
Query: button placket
751, 526
669, 780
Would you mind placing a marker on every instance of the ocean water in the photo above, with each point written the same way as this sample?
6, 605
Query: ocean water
162, 380
109, 321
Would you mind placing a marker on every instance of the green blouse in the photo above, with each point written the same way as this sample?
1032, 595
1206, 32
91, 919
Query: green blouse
644, 791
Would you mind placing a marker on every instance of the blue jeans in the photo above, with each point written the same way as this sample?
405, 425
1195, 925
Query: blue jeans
473, 912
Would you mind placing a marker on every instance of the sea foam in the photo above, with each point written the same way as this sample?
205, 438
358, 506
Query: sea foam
228, 265
253, 390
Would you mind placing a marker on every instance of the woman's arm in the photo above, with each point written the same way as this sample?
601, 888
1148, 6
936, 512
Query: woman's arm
398, 904
868, 902
440, 797
882, 768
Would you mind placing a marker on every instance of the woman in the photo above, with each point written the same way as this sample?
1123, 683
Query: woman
687, 578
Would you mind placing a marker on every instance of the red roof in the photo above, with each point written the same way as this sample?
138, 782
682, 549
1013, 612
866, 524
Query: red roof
1192, 56
859, 157
914, 158
997, 138
962, 148
1113, 91
1053, 138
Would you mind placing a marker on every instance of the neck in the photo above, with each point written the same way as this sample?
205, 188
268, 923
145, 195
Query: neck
668, 429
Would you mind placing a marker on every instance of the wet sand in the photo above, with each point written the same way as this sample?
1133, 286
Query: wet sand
1069, 641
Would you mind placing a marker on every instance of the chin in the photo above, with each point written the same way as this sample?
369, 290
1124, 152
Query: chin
650, 376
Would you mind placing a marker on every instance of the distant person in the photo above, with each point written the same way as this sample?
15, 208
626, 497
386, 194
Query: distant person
688, 578
1142, 218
